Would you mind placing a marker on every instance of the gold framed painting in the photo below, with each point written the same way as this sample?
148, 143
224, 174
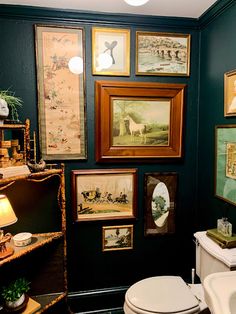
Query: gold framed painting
166, 54
111, 51
137, 120
61, 102
117, 238
225, 162
104, 194
230, 93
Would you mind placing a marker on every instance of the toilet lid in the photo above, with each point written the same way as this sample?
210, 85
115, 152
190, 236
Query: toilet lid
162, 294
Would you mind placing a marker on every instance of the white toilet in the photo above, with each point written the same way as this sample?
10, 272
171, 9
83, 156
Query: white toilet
170, 294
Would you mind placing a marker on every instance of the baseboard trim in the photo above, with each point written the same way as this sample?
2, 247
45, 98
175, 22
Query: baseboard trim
107, 300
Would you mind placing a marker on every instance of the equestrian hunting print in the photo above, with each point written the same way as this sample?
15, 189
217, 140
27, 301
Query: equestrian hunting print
104, 194
141, 122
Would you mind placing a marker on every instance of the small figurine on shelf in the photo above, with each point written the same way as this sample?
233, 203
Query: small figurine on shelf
36, 167
9, 105
32, 163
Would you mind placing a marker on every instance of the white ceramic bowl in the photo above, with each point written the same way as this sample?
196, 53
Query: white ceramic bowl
22, 239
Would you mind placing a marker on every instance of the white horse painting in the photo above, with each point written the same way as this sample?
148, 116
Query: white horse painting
136, 129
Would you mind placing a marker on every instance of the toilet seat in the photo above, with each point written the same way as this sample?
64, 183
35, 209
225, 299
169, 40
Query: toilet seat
159, 295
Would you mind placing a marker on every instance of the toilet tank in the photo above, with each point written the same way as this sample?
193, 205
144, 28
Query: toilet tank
211, 258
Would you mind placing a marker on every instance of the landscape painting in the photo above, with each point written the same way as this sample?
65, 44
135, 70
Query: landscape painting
136, 120
117, 238
104, 194
162, 54
141, 122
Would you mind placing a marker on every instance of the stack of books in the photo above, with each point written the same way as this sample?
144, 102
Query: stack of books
221, 240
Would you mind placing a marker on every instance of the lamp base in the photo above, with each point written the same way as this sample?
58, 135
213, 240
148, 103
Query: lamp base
6, 252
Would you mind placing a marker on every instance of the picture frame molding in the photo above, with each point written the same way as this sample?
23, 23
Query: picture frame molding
164, 34
105, 228
170, 179
223, 184
125, 71
46, 153
227, 78
106, 91
103, 172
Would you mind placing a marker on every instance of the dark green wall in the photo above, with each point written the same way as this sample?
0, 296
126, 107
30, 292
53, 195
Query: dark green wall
218, 46
90, 269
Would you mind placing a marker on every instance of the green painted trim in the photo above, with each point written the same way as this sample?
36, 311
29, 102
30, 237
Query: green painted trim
97, 292
214, 11
74, 16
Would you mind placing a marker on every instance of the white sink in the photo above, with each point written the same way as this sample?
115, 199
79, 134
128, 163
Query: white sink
220, 292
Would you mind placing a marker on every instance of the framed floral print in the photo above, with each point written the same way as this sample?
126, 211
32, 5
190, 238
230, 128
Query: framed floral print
61, 103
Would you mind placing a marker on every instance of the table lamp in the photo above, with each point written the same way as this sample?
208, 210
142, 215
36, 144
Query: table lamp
7, 217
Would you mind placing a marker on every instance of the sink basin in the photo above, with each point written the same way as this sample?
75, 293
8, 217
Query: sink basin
220, 292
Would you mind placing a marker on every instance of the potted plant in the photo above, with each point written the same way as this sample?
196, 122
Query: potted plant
14, 294
9, 105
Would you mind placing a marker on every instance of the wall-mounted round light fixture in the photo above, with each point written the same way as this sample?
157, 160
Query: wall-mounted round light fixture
136, 2
104, 61
75, 65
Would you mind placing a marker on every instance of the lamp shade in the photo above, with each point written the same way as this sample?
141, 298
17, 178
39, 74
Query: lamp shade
7, 215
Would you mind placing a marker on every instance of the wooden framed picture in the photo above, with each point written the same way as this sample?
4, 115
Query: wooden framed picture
111, 51
117, 238
162, 54
225, 163
101, 194
138, 120
230, 93
61, 103
160, 191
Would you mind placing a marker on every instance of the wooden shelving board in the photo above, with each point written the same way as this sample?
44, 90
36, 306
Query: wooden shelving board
38, 240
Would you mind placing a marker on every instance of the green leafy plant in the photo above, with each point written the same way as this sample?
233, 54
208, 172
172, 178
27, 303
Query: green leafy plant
15, 289
13, 103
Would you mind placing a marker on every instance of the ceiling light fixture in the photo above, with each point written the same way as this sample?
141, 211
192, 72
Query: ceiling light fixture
136, 2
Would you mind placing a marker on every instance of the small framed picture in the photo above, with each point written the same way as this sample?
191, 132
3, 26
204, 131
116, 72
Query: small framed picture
102, 194
117, 238
225, 163
111, 51
230, 93
160, 202
165, 54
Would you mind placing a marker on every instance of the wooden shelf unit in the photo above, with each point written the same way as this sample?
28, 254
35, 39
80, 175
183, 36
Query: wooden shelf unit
38, 200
